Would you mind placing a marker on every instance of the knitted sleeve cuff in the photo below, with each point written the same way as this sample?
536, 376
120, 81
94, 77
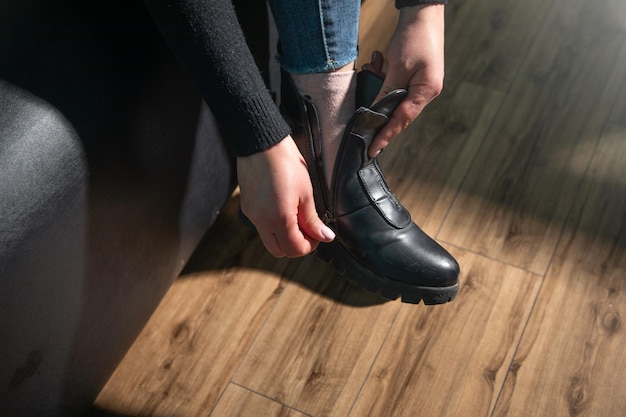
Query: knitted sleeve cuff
406, 3
263, 127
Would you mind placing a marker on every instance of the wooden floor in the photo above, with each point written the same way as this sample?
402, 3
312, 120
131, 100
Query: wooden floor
519, 169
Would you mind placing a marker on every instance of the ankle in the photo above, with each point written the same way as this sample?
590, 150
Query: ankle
334, 96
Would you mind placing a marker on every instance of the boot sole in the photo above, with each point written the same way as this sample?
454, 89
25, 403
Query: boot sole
355, 273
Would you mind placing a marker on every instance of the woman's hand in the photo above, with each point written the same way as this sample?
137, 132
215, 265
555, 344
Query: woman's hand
277, 197
415, 61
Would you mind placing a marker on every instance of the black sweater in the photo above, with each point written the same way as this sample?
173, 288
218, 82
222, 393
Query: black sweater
207, 38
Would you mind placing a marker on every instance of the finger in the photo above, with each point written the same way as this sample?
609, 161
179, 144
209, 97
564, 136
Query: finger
264, 230
284, 239
401, 118
378, 60
384, 90
376, 64
310, 223
423, 86
270, 242
368, 67
420, 95
294, 242
303, 237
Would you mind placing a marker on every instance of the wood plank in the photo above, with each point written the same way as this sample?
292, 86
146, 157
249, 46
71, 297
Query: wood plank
314, 352
571, 360
487, 41
452, 360
240, 402
298, 341
516, 198
186, 354
376, 25
427, 163
619, 109
618, 114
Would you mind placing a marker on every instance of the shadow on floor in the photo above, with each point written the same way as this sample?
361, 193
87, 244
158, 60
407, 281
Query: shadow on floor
231, 244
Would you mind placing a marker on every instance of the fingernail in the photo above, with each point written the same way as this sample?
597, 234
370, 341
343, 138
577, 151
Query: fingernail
328, 233
376, 153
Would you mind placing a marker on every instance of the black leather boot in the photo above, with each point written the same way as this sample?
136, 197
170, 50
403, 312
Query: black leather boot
378, 247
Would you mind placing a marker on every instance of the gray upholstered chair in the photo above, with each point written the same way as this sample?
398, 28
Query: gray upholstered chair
111, 171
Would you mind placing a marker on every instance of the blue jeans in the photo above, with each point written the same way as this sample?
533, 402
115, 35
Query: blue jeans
316, 35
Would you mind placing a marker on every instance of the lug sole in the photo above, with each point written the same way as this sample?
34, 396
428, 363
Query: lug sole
355, 273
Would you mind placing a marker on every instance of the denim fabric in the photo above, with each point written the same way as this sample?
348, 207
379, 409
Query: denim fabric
316, 35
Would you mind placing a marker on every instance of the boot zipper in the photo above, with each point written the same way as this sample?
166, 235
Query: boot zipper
316, 148
328, 218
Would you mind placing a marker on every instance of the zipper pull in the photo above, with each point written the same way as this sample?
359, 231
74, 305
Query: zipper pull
328, 218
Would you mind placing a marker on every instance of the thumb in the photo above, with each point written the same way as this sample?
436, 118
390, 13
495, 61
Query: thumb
392, 81
310, 223
400, 118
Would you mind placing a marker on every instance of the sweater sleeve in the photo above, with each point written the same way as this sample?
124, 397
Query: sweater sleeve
406, 3
207, 38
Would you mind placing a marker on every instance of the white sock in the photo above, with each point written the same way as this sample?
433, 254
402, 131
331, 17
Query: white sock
333, 94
